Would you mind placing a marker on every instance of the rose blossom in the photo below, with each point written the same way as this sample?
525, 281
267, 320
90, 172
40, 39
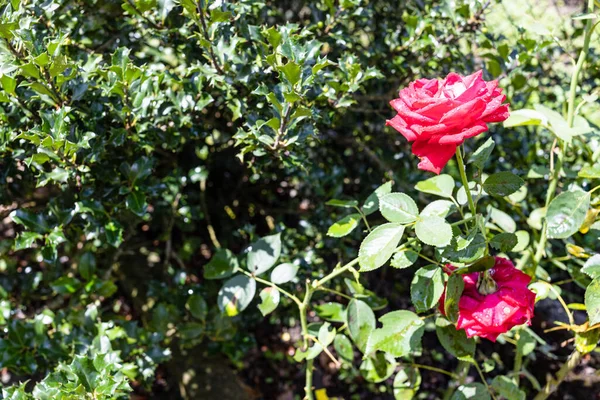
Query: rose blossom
494, 304
438, 115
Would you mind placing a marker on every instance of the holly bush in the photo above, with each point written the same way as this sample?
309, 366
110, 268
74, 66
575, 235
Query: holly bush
185, 181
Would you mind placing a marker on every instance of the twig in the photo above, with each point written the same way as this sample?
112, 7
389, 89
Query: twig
209, 227
205, 33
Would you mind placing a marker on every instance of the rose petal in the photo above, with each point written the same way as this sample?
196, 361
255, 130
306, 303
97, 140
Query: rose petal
433, 157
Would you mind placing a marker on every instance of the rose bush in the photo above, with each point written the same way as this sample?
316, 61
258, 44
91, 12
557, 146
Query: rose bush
438, 115
201, 199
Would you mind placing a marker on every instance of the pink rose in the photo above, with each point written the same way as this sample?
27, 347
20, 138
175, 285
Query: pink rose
505, 302
439, 115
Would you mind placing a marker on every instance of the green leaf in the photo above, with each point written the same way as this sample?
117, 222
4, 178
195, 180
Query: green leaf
483, 264
522, 241
524, 117
592, 266
284, 273
331, 311
406, 383
344, 226
566, 213
292, 72
502, 219
263, 253
25, 240
454, 289
377, 248
441, 185
378, 367
590, 171
400, 334
480, 156
361, 322
197, 306
398, 207
427, 287
592, 301
454, 340
465, 250
222, 265
502, 184
404, 259
8, 84
471, 391
343, 347
372, 203
504, 242
87, 265
438, 208
31, 221
434, 231
507, 388
236, 294
136, 203
270, 300
586, 342
342, 203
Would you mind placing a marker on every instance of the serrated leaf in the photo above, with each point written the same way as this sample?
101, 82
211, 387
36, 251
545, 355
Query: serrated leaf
566, 214
400, 334
222, 265
377, 367
342, 203
504, 242
454, 340
480, 156
269, 300
406, 383
292, 72
197, 306
284, 273
434, 231
590, 171
440, 185
502, 184
344, 226
454, 289
398, 207
343, 347
592, 267
502, 219
372, 203
361, 322
471, 391
507, 388
236, 294
379, 245
404, 259
592, 301
427, 287
438, 208
263, 253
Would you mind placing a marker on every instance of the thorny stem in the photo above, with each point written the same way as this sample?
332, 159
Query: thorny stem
484, 380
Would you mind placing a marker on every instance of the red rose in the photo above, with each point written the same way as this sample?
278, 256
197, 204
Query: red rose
489, 308
438, 115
